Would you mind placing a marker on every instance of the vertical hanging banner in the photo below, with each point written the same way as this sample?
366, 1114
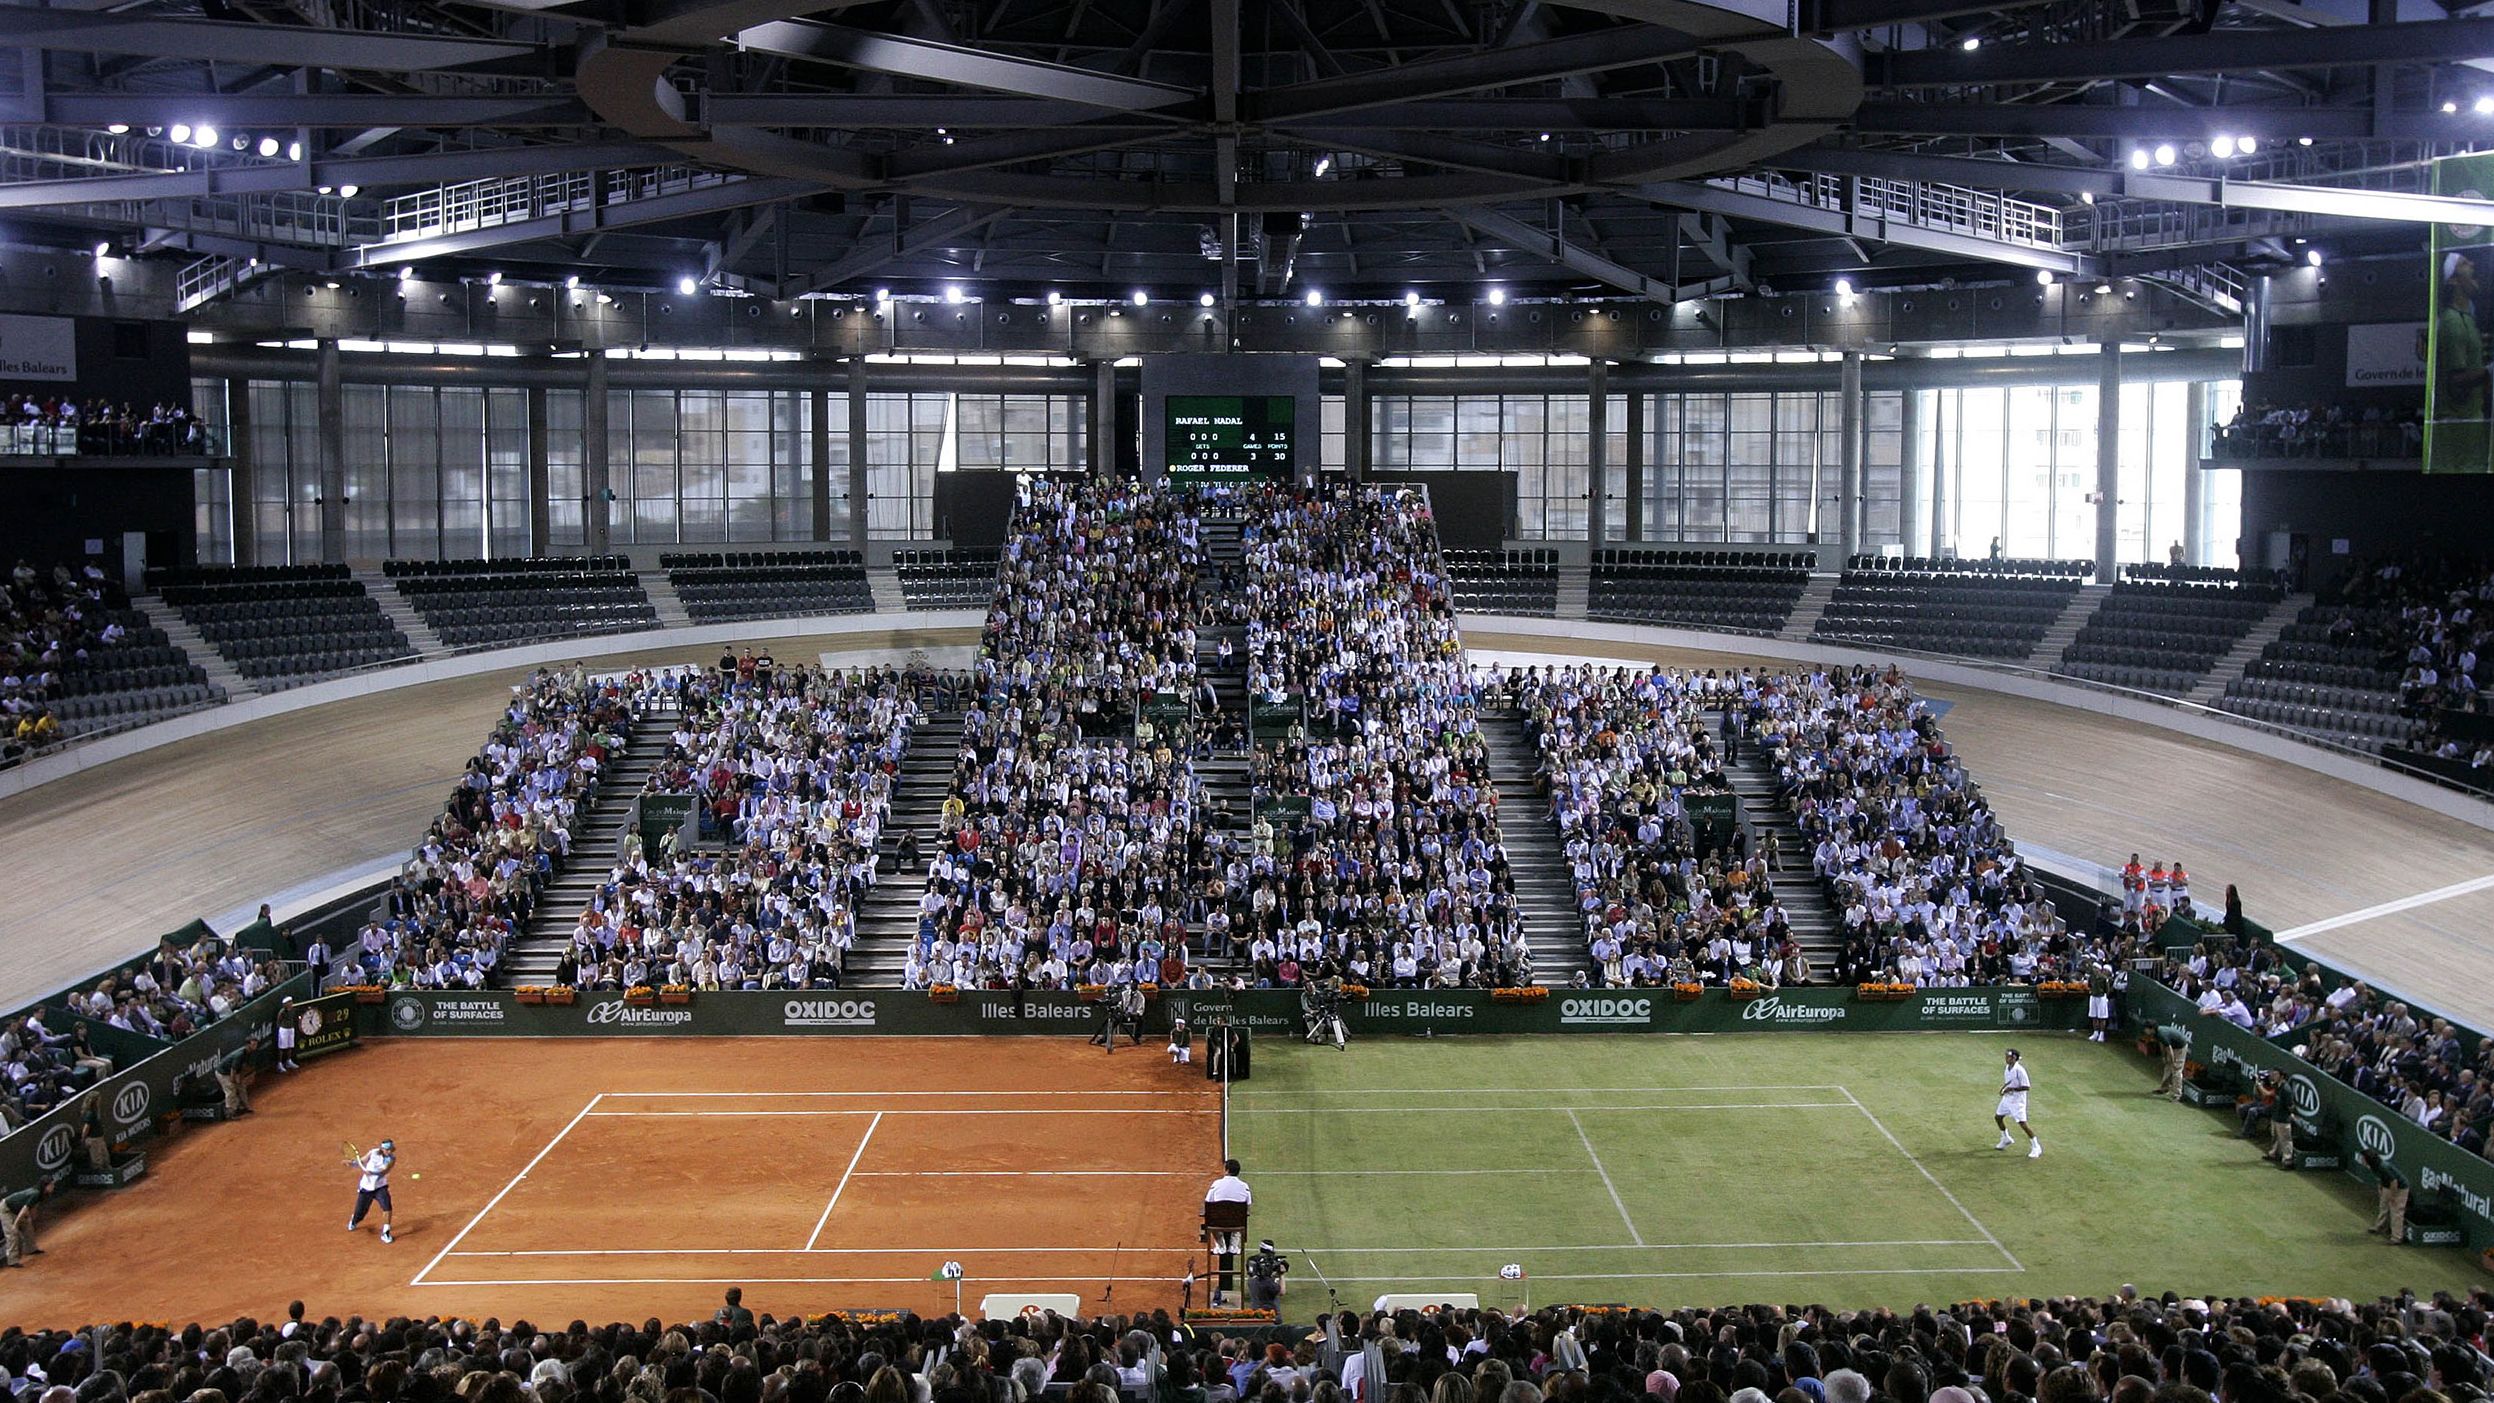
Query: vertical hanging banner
2456, 381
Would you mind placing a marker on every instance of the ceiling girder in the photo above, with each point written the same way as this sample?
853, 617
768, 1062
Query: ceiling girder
2218, 51
274, 45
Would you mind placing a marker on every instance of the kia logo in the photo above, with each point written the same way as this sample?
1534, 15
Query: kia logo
2304, 1095
2373, 1134
52, 1151
130, 1104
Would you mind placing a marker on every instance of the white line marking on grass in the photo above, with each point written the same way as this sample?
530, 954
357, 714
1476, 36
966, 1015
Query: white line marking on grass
1401, 1173
2386, 908
506, 1189
1881, 1126
1587, 1141
842, 1186
1029, 1174
1503, 1090
663, 1095
809, 1251
1645, 1246
1432, 1110
1680, 1275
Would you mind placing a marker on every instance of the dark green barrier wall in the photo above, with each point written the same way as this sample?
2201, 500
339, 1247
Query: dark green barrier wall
899, 1013
136, 1093
2437, 1170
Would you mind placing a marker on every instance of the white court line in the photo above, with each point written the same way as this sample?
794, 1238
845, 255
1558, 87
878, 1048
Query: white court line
809, 1251
1534, 1090
842, 1186
1587, 1141
1030, 1174
506, 1189
1461, 1110
2387, 908
926, 1112
613, 1095
1639, 1247
1403, 1173
1058, 1281
2014, 1263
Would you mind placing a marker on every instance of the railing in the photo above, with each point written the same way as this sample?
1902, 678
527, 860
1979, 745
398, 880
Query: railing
487, 204
1955, 209
98, 441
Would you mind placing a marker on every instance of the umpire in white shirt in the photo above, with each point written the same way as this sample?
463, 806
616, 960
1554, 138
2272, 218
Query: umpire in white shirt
1229, 1188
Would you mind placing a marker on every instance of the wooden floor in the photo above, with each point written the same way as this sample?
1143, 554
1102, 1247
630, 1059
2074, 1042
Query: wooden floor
100, 863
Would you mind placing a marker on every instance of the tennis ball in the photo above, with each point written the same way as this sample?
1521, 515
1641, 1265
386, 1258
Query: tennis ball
415, 1176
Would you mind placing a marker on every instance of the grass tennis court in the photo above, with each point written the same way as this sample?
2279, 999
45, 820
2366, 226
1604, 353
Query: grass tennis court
1847, 1169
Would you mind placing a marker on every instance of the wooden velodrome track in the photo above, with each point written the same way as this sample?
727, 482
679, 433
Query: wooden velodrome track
99, 862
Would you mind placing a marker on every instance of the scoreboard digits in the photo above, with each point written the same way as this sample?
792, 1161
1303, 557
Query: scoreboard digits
1217, 438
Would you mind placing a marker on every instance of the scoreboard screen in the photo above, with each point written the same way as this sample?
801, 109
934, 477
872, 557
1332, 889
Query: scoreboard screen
1217, 438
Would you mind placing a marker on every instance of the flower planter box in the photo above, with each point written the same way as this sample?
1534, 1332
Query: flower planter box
1687, 993
641, 1000
368, 996
529, 996
944, 994
564, 997
675, 996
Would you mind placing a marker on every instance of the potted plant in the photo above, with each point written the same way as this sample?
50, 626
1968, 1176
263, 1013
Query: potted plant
1882, 991
675, 993
944, 994
562, 994
641, 996
1687, 993
1354, 991
1747, 988
1522, 994
529, 994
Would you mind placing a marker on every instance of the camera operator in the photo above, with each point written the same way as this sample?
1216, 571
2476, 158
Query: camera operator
1265, 1273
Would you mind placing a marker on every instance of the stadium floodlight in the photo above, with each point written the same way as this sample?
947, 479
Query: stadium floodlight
348, 191
883, 294
118, 129
1498, 297
1142, 298
1315, 298
104, 249
180, 132
2484, 106
2450, 109
2246, 145
686, 286
2221, 147
2312, 257
1970, 43
571, 283
268, 146
953, 294
406, 271
1203, 299
294, 151
494, 279
2165, 153
204, 136
2139, 158
1844, 288
2043, 277
1411, 299
1055, 297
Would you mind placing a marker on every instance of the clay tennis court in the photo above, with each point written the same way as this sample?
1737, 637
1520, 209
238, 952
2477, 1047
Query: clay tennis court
620, 1178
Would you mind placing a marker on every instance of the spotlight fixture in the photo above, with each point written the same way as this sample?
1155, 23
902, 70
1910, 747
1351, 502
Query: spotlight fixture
1323, 164
2246, 145
2448, 109
2483, 106
883, 294
494, 279
268, 146
1970, 43
1315, 298
406, 272
242, 142
1844, 288
294, 151
104, 249
2043, 277
1498, 297
1203, 299
204, 136
1411, 299
571, 282
347, 192
953, 294
118, 129
2104, 289
2165, 153
2312, 257
686, 286
1055, 297
2221, 147
2139, 158
1142, 298
2303, 141
2086, 197
332, 284
180, 133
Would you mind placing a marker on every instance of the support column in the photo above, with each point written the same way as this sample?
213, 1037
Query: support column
1597, 434
2194, 482
243, 483
597, 509
1909, 471
1849, 455
1943, 447
329, 397
818, 454
2108, 458
1634, 528
1355, 433
857, 454
540, 477
1103, 444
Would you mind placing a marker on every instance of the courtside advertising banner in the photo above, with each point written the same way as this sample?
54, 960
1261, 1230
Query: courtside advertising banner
325, 1024
2462, 277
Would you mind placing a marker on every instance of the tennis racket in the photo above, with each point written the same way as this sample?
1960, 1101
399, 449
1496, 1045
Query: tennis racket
353, 1155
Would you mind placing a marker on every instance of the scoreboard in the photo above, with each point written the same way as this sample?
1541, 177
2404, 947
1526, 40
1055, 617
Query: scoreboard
1230, 438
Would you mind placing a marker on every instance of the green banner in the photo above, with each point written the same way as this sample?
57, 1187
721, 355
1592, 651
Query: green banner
323, 1024
2461, 276
902, 1013
2452, 1191
1271, 719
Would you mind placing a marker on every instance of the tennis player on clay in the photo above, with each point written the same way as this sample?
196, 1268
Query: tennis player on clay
372, 1183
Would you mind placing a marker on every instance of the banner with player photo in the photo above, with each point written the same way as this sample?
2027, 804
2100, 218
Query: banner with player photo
324, 1024
2457, 403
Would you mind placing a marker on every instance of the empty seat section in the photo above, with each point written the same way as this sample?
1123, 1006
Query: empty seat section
725, 586
1730, 590
283, 626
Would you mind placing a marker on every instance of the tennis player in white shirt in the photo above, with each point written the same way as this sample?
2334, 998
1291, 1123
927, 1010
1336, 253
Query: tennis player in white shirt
2014, 1084
372, 1185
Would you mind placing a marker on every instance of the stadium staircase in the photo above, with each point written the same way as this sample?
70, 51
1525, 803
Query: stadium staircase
1806, 610
2074, 616
402, 614
2247, 649
885, 584
1575, 592
1813, 916
596, 836
887, 920
1536, 866
660, 587
179, 631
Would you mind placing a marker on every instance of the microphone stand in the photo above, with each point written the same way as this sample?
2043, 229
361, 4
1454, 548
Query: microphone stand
1333, 1298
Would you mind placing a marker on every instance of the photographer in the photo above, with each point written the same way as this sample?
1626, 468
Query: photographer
1321, 1005
1265, 1273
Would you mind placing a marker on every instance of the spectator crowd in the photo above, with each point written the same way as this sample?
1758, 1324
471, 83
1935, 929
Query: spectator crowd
2121, 1348
50, 621
48, 424
2324, 430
